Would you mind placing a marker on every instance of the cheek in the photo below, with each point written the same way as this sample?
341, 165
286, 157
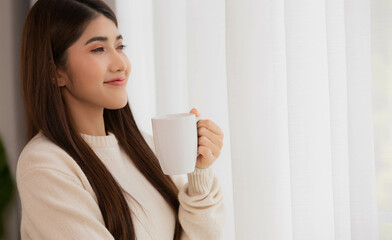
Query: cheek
87, 71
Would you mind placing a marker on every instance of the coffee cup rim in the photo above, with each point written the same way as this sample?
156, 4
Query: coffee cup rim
173, 115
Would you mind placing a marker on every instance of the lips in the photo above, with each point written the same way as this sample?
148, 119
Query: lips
116, 81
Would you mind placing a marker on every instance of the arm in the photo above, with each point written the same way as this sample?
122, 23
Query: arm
201, 212
56, 206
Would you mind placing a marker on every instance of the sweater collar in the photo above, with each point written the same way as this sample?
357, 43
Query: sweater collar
100, 141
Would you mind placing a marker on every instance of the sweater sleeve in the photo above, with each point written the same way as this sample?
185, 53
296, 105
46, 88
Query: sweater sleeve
56, 206
201, 212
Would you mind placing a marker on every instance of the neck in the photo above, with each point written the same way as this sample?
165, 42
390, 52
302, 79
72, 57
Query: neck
86, 118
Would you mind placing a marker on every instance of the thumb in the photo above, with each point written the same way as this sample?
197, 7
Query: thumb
194, 111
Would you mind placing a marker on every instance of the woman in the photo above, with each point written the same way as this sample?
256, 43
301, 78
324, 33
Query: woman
87, 171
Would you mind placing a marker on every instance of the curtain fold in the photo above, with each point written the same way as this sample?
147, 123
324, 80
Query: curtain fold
363, 204
170, 44
308, 119
257, 89
337, 75
381, 42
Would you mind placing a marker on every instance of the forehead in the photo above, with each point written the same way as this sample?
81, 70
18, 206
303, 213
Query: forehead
100, 26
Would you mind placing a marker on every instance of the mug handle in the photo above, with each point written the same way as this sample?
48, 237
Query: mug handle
197, 119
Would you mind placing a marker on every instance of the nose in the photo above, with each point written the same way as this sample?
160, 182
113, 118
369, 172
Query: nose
117, 62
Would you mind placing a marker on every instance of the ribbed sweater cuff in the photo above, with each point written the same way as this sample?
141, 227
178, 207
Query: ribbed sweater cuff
200, 181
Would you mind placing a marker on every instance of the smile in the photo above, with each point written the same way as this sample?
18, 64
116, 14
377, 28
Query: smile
117, 82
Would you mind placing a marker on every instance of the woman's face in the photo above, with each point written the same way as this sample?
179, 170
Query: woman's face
97, 69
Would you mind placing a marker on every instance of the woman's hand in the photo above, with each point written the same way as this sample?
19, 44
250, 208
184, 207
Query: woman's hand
210, 141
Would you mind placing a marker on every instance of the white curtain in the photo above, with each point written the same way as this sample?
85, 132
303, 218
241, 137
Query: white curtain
381, 22
289, 84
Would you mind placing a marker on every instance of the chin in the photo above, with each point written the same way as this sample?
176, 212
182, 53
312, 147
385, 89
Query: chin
118, 104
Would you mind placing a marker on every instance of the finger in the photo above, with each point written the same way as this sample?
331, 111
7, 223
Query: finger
195, 111
205, 142
211, 126
216, 139
205, 152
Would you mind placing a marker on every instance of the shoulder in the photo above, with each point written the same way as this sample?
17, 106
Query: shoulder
41, 153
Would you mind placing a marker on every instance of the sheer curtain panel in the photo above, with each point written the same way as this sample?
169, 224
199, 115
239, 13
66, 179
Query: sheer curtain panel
300, 119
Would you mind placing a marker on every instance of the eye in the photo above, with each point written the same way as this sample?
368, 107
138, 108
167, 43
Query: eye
121, 47
100, 49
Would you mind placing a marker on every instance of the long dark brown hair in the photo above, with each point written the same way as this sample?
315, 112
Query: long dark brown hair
51, 27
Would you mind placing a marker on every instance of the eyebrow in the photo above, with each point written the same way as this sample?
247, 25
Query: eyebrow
100, 38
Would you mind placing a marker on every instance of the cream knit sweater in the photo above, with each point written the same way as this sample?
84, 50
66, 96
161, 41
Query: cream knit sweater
58, 201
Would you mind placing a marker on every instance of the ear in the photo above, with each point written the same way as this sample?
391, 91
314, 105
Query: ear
61, 78
58, 76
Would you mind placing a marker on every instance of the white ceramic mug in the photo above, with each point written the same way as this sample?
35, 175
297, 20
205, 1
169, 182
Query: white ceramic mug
176, 142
